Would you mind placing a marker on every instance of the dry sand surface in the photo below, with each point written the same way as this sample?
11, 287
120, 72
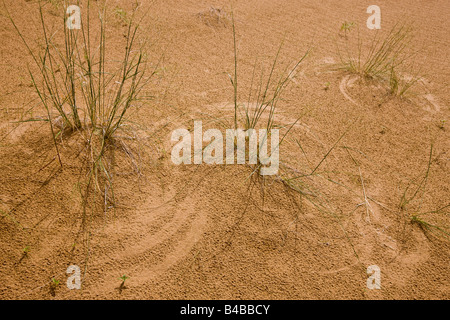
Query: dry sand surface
219, 231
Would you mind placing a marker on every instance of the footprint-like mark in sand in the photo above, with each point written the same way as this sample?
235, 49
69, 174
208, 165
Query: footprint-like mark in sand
432, 102
432, 99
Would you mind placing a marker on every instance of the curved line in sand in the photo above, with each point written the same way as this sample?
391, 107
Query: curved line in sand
343, 88
144, 271
185, 220
185, 245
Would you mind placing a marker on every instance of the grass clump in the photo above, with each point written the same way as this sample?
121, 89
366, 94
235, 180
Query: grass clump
266, 92
384, 60
262, 103
434, 221
83, 88
263, 96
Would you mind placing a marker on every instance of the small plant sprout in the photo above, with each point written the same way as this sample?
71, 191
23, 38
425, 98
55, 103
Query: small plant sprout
346, 27
122, 15
26, 250
441, 124
25, 253
123, 278
55, 282
122, 285
326, 86
53, 285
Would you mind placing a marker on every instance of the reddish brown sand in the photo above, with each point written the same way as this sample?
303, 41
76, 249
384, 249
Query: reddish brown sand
209, 232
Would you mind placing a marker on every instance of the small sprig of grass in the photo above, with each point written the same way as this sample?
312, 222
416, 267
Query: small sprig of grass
122, 15
122, 285
26, 250
54, 284
25, 254
441, 124
405, 200
346, 27
433, 221
436, 229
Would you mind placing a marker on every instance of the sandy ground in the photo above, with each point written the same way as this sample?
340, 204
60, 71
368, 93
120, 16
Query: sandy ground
211, 232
